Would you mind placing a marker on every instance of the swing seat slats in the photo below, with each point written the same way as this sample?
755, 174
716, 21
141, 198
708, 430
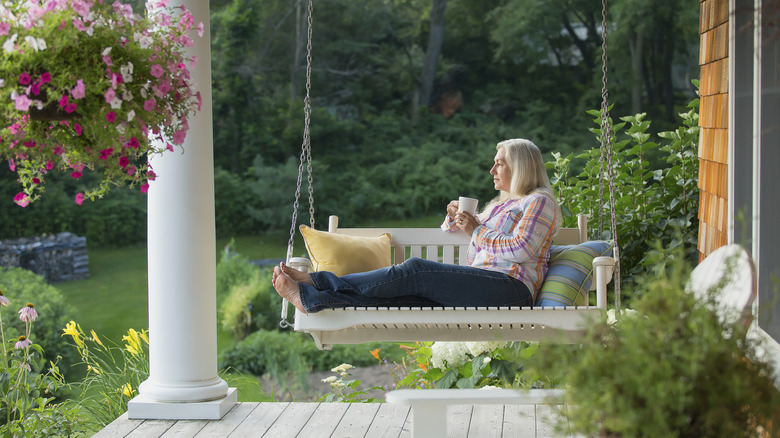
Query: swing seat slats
354, 325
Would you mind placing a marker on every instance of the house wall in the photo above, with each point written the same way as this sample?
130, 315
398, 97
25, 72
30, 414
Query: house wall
714, 124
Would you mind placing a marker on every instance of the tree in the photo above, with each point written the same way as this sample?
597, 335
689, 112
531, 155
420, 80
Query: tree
435, 41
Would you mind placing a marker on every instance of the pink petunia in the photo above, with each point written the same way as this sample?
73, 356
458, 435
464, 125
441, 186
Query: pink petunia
110, 117
63, 100
124, 162
77, 128
105, 153
132, 143
76, 175
169, 147
178, 136
4, 28
12, 165
110, 95
150, 175
21, 199
25, 79
22, 103
130, 170
79, 198
144, 188
36, 180
58, 150
29, 144
79, 25
69, 108
149, 105
45, 78
157, 71
200, 29
49, 165
79, 90
36, 88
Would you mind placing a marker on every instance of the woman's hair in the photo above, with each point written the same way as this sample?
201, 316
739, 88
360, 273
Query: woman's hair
528, 172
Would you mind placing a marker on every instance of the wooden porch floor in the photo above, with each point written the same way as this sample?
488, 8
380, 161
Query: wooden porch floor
312, 420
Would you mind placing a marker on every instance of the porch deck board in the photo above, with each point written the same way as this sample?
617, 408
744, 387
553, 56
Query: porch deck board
341, 420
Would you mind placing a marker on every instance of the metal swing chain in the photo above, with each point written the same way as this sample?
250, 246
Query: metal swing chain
305, 157
606, 149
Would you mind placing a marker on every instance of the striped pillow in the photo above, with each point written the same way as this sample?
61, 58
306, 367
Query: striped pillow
569, 273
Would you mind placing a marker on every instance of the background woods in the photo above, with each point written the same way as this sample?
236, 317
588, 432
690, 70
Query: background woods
506, 68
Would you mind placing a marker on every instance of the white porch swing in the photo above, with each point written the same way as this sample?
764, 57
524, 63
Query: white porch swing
353, 325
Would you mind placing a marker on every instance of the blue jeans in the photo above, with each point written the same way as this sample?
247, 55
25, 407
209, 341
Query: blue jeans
415, 282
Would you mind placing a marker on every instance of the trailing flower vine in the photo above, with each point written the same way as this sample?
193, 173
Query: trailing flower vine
88, 86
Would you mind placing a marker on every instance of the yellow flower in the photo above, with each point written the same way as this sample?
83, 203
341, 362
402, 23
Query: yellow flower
96, 339
144, 335
133, 344
73, 330
127, 390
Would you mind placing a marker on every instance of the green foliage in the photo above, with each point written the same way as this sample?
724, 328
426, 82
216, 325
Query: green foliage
247, 299
670, 369
655, 185
23, 287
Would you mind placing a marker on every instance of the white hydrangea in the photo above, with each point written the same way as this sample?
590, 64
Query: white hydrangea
477, 348
448, 354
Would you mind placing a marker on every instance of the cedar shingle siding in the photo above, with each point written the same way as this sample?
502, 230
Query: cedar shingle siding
714, 124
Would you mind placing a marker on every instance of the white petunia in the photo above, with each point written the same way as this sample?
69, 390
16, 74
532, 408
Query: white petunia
37, 44
9, 43
130, 115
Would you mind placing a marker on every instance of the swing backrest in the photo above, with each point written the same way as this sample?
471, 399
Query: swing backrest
435, 244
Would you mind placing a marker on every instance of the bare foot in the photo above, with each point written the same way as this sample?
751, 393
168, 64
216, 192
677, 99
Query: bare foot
299, 276
287, 288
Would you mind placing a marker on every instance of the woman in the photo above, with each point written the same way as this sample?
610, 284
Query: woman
508, 253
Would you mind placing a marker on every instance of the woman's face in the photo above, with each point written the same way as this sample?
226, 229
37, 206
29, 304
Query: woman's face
502, 174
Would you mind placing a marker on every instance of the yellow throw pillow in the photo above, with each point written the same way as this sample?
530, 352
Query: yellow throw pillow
342, 254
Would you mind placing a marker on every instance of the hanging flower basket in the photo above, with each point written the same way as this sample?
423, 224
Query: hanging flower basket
88, 86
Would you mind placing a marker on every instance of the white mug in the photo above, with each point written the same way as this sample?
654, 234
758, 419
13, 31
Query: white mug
468, 204
300, 263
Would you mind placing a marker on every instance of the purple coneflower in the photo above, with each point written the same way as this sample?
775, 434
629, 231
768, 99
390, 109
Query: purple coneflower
23, 342
3, 300
28, 313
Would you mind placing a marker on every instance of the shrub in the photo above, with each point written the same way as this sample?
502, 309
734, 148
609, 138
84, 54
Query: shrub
653, 197
22, 287
283, 353
670, 369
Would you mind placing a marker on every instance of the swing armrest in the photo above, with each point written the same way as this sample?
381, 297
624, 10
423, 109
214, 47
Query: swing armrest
602, 275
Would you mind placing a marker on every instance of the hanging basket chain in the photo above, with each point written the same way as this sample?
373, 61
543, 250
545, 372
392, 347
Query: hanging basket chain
606, 150
304, 158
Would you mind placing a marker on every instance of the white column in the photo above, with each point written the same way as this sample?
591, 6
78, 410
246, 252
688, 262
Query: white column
183, 381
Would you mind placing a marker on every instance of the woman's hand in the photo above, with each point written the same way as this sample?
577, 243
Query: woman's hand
466, 221
452, 210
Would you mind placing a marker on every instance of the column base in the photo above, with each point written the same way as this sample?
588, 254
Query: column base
143, 408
